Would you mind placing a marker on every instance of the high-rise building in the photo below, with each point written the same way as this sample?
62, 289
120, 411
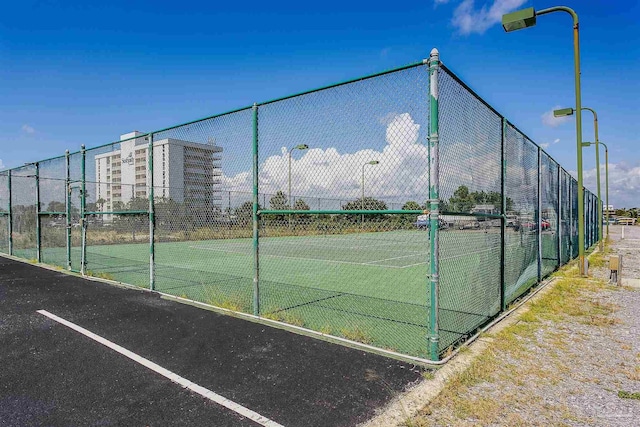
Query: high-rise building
183, 171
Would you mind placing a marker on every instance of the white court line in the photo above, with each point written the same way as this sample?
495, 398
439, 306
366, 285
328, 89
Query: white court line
245, 412
306, 259
389, 259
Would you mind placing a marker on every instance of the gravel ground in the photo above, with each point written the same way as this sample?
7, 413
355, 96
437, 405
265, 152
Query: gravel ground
568, 372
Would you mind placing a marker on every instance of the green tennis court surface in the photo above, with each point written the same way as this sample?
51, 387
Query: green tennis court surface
369, 287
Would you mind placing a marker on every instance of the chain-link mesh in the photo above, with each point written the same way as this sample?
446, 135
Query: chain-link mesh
116, 205
340, 204
358, 146
574, 218
53, 211
566, 213
470, 189
521, 236
549, 214
23, 212
203, 205
4, 212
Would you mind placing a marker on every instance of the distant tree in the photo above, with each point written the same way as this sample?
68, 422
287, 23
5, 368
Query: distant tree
244, 213
461, 201
279, 201
369, 203
411, 206
301, 205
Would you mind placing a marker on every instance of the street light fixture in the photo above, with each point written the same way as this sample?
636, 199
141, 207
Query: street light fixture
527, 18
372, 162
569, 112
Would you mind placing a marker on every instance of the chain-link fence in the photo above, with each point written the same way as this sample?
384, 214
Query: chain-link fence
397, 210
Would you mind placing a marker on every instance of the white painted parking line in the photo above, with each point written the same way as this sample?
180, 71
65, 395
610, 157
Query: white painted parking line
220, 400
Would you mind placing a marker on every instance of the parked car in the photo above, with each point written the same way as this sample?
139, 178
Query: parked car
423, 222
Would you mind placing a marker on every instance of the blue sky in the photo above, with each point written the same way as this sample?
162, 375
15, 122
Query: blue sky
78, 72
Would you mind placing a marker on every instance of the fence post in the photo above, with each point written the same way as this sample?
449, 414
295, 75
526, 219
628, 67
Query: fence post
68, 207
83, 208
152, 216
503, 178
38, 229
434, 338
10, 213
539, 214
256, 243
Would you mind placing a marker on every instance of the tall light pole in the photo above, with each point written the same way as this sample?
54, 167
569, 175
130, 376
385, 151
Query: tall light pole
527, 18
297, 147
568, 112
606, 181
372, 162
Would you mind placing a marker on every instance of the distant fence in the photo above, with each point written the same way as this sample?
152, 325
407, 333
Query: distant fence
398, 210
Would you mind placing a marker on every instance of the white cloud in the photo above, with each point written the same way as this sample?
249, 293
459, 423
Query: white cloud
28, 129
468, 20
1, 164
544, 145
624, 184
437, 2
555, 141
549, 120
327, 173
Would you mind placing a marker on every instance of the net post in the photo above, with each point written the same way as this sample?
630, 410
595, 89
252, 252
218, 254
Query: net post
68, 206
503, 179
434, 337
38, 229
10, 214
152, 216
539, 219
256, 243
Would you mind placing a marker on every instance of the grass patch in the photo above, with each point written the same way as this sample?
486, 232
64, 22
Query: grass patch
215, 297
356, 333
570, 298
285, 317
627, 395
100, 275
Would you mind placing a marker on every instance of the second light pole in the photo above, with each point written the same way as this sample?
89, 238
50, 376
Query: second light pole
568, 112
289, 202
372, 162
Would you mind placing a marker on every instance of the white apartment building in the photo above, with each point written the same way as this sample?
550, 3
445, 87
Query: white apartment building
182, 171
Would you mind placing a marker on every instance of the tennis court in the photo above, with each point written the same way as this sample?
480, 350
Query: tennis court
371, 287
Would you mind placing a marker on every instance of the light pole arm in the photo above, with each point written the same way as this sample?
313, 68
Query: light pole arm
595, 122
570, 11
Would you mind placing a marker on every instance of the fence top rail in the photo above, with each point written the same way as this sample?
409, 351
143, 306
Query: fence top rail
346, 82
